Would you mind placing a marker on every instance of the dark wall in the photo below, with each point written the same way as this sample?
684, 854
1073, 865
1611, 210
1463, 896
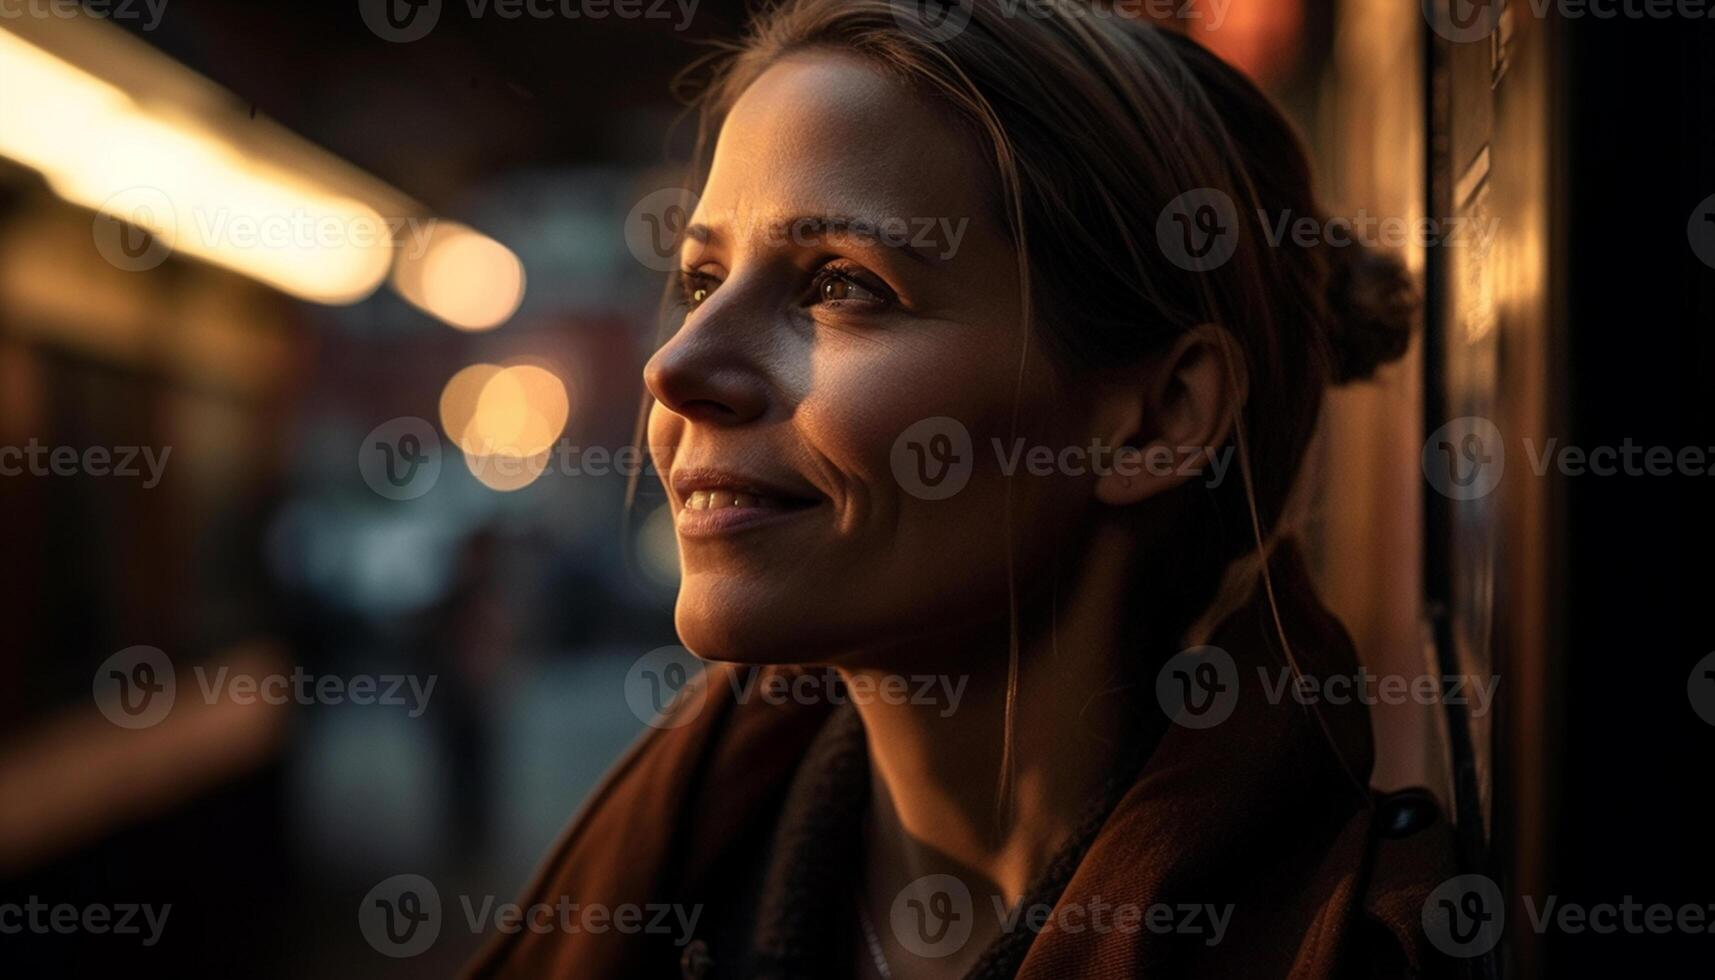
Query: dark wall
1634, 817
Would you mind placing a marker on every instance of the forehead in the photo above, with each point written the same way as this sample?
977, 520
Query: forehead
823, 133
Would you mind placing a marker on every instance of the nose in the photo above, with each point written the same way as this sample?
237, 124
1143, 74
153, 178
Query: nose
708, 373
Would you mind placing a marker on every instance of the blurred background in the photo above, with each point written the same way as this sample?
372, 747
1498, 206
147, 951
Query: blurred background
360, 293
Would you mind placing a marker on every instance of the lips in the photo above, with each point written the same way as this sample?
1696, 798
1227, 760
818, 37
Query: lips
715, 502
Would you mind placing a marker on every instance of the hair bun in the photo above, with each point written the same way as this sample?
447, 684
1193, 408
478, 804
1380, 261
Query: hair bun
1372, 307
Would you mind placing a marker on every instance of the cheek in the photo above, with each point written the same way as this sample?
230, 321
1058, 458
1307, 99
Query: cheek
923, 433
871, 409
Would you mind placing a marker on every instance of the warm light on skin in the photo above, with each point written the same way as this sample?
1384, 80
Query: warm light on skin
808, 391
196, 193
464, 278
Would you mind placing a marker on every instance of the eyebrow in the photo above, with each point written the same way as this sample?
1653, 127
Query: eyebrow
894, 234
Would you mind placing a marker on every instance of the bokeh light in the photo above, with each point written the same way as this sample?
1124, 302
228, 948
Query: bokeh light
506, 419
461, 277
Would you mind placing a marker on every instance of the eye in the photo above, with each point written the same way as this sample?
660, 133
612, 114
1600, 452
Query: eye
695, 287
836, 284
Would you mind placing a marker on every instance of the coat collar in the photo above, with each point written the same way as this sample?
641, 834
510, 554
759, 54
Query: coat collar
1263, 816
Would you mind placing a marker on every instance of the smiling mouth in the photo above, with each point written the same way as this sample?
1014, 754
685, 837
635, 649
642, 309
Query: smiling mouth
716, 511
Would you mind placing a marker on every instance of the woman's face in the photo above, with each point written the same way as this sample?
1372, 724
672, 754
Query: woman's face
847, 285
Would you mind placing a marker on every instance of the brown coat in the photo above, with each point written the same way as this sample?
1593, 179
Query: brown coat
1255, 812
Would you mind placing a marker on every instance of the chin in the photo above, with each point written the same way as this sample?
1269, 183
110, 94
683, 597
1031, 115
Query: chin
750, 619
746, 619
732, 620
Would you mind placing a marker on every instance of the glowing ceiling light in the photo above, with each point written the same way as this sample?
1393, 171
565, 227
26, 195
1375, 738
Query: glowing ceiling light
462, 277
178, 179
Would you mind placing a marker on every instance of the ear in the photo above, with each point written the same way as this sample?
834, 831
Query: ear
1172, 415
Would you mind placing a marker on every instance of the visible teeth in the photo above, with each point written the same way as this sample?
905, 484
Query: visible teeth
718, 499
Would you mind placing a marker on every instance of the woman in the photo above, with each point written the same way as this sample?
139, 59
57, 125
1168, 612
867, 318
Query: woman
986, 399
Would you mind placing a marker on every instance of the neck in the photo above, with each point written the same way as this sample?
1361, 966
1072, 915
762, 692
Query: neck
938, 805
